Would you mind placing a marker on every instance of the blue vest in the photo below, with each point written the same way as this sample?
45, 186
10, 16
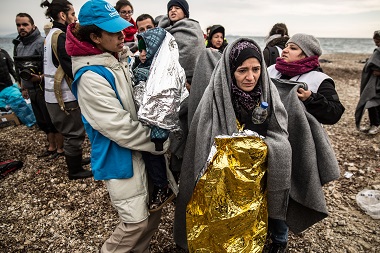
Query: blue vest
108, 159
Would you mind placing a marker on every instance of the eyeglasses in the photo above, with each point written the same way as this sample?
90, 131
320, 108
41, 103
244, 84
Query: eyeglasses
126, 12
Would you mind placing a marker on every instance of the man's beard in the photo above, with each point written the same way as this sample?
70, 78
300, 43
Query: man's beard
27, 34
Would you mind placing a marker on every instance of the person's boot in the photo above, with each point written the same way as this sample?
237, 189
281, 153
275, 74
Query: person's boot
75, 168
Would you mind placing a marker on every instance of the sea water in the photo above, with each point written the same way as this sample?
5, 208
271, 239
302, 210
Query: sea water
329, 45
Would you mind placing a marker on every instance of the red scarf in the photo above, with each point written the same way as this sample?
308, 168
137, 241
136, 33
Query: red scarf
297, 67
130, 32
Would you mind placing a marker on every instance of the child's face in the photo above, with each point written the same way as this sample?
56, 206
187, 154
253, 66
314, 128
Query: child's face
142, 56
176, 13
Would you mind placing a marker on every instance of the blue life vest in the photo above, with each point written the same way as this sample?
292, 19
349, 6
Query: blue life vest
108, 159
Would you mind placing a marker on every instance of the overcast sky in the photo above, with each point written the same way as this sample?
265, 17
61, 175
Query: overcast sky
322, 18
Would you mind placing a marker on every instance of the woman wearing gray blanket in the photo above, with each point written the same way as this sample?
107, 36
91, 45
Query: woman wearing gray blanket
238, 84
299, 62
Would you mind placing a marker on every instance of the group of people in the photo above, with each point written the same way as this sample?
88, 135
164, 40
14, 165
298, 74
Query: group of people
55, 108
113, 77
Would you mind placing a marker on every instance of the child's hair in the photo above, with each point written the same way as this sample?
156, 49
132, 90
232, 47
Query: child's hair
55, 7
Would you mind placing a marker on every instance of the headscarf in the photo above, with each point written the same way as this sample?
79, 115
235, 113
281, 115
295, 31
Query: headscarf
216, 29
240, 52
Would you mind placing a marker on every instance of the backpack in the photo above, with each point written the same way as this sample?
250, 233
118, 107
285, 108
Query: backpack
60, 74
274, 52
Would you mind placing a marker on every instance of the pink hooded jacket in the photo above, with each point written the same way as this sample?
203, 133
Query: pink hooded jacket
74, 47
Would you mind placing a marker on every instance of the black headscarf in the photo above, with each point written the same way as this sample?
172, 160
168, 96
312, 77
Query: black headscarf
242, 100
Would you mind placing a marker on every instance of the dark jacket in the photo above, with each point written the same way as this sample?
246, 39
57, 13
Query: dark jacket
6, 68
29, 49
63, 57
369, 87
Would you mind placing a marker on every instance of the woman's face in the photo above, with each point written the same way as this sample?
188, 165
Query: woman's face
176, 13
126, 12
109, 42
247, 74
292, 53
217, 40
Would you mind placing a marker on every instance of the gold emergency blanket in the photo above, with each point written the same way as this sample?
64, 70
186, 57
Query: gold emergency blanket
228, 209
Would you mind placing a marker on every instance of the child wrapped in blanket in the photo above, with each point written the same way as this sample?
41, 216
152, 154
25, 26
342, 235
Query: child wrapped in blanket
159, 87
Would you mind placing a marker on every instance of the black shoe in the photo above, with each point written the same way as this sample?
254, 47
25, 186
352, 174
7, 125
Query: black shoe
76, 170
47, 153
55, 155
161, 196
277, 248
80, 175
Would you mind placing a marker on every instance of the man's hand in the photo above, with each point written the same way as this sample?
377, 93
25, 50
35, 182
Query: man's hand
303, 94
25, 94
36, 78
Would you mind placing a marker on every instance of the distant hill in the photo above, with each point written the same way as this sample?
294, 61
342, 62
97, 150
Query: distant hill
11, 35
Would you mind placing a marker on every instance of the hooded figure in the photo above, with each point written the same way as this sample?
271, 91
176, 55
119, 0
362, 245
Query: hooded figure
222, 45
370, 90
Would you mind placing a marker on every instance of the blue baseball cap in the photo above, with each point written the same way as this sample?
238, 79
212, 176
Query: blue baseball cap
103, 15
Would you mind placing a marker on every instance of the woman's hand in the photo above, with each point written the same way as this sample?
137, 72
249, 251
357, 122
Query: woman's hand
303, 94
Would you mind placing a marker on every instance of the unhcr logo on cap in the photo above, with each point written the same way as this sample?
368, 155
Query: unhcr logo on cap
111, 9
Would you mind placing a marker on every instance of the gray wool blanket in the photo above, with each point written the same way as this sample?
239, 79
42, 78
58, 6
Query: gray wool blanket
214, 116
369, 87
313, 164
189, 36
202, 75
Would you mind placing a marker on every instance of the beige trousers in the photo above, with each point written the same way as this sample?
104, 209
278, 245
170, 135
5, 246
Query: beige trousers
132, 237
